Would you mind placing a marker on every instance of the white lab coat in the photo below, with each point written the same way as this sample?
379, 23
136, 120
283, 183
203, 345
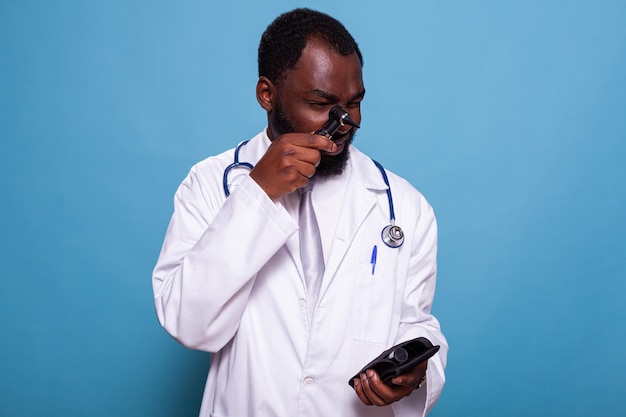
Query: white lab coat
229, 281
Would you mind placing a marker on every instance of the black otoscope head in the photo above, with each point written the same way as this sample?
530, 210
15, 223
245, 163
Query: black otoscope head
337, 117
342, 116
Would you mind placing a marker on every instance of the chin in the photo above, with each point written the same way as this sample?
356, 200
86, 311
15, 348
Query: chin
331, 165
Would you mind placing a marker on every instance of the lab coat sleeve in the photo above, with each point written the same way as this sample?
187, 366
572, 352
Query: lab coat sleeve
416, 318
213, 249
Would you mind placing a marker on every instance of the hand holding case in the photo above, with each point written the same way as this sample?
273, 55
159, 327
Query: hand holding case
399, 359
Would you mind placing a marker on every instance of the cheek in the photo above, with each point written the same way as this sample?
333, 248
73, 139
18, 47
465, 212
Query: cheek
309, 120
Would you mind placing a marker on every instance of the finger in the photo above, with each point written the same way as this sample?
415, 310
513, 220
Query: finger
358, 388
328, 145
310, 155
368, 379
319, 142
298, 159
306, 169
388, 394
406, 381
411, 378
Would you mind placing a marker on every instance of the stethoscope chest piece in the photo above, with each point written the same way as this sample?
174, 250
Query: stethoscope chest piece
393, 236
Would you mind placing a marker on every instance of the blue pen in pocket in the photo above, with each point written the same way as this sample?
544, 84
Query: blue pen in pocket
373, 260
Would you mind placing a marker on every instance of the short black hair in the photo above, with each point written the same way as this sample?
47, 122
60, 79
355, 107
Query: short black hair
284, 40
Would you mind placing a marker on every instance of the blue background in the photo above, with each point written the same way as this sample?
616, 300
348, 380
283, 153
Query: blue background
508, 116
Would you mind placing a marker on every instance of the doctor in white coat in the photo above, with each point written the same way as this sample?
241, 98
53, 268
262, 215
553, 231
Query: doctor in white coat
229, 279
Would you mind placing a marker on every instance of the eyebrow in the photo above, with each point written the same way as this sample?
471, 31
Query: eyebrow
333, 98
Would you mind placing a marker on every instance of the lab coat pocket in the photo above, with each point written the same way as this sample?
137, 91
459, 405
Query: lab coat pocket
374, 301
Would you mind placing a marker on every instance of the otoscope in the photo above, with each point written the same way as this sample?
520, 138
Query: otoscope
337, 117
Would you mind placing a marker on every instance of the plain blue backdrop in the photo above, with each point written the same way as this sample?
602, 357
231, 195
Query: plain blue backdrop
509, 116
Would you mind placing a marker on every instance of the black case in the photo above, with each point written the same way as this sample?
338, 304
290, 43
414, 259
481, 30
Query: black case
399, 359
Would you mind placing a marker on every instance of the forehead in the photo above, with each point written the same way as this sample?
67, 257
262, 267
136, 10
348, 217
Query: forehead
324, 69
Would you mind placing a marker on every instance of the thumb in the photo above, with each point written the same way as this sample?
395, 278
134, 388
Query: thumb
403, 380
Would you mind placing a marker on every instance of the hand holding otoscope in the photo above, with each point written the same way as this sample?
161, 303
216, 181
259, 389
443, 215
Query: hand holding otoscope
292, 158
337, 117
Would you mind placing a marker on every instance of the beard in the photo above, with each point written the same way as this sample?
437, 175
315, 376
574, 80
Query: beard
330, 165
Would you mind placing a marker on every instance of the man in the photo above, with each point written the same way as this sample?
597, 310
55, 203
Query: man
230, 280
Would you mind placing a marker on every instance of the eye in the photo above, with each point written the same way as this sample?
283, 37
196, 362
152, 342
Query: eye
319, 104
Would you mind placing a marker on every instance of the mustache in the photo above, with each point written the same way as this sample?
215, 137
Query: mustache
340, 137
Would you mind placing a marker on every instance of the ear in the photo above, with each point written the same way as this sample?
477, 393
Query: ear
265, 93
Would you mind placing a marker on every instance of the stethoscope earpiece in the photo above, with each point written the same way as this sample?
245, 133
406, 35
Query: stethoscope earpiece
392, 236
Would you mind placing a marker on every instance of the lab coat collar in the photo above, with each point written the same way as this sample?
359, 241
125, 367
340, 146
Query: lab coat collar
365, 170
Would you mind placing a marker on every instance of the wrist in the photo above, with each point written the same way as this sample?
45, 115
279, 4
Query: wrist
421, 383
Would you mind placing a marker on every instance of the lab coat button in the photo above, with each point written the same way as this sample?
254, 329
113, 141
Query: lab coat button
302, 304
309, 381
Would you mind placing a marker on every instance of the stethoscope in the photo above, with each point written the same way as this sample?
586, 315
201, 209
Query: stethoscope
392, 235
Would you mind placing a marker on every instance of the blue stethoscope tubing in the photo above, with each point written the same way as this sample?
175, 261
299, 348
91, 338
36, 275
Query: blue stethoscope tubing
236, 163
392, 213
392, 235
